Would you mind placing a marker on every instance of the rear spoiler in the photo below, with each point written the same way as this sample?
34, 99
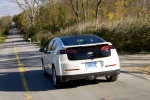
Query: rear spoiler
65, 47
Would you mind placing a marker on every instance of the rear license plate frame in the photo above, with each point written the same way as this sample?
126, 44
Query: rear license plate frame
92, 65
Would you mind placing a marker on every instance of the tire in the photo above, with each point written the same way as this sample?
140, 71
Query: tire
43, 69
57, 83
111, 78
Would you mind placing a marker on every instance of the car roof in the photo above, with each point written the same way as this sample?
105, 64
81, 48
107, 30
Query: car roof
77, 35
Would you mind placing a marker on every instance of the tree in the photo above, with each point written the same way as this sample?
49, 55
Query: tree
83, 2
97, 10
5, 23
75, 9
62, 16
30, 9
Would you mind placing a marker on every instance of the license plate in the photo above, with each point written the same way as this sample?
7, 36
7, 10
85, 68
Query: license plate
91, 65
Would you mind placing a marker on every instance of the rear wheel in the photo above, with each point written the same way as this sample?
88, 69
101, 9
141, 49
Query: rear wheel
56, 82
111, 78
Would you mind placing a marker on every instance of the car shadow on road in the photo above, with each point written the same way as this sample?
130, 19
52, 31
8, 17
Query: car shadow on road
79, 83
12, 82
44, 83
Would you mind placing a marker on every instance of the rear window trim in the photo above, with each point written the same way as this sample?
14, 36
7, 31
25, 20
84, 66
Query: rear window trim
100, 40
99, 53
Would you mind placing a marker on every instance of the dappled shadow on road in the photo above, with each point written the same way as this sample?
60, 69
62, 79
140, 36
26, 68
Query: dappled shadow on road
30, 59
7, 59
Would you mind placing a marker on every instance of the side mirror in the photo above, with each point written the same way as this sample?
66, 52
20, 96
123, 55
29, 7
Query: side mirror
42, 50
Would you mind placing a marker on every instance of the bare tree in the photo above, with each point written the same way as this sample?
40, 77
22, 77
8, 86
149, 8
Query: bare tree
30, 8
97, 10
75, 9
83, 5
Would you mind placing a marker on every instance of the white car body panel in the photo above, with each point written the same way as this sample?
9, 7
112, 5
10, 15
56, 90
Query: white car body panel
61, 62
65, 64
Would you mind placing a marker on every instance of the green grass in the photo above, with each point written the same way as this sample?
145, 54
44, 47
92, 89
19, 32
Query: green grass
2, 39
3, 35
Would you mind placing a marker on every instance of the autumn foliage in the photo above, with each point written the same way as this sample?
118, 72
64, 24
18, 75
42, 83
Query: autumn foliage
125, 23
5, 23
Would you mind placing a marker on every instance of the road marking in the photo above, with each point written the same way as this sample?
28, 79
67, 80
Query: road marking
22, 70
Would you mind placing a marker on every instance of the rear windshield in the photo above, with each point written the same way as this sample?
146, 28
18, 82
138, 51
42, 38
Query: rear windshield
81, 39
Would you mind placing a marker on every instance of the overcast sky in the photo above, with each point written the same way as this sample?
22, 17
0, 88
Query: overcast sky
7, 7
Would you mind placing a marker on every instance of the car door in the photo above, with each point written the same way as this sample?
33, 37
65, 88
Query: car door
52, 55
48, 57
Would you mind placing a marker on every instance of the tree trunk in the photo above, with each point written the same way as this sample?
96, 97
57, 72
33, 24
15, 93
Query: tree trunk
75, 10
87, 13
97, 10
84, 12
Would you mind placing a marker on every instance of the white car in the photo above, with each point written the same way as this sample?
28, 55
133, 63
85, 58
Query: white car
77, 57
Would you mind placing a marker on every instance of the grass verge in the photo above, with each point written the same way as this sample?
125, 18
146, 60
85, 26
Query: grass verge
2, 40
142, 69
145, 69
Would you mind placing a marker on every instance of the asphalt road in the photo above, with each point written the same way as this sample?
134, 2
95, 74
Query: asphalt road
21, 78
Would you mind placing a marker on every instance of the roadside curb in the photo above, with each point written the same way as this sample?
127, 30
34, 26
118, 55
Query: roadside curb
136, 74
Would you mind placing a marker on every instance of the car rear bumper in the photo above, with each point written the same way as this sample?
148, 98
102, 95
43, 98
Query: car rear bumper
89, 76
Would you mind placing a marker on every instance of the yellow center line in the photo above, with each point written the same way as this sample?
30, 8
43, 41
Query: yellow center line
22, 70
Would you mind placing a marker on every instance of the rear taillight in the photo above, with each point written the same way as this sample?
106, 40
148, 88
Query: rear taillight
71, 51
106, 47
66, 52
61, 52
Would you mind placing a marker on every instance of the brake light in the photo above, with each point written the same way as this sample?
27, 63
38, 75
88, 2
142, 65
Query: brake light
105, 47
66, 52
71, 51
61, 52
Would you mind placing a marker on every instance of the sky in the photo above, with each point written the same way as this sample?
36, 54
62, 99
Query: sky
7, 7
